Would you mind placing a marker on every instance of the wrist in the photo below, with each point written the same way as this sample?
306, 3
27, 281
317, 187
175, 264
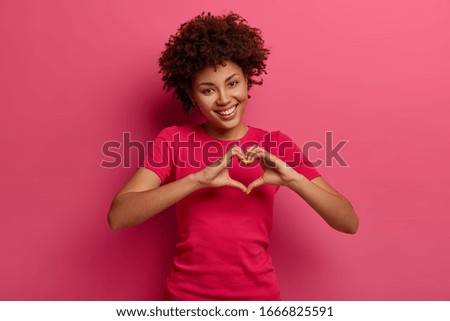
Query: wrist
195, 181
295, 181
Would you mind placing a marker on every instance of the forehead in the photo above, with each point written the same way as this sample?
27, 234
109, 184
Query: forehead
218, 74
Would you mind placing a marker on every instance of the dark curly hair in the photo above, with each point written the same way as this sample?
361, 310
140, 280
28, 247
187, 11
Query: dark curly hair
209, 40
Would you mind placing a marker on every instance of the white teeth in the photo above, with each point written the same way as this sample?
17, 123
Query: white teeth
228, 111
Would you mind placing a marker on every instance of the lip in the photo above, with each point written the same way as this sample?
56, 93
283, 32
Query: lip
230, 115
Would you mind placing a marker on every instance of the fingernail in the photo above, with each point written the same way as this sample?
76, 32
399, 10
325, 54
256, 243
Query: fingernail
248, 191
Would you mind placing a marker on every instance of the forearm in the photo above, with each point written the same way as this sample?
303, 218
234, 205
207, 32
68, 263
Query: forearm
133, 208
336, 210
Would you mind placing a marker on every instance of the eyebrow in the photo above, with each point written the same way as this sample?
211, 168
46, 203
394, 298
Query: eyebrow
212, 84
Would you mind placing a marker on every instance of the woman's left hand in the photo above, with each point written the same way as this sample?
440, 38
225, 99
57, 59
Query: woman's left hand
334, 208
275, 171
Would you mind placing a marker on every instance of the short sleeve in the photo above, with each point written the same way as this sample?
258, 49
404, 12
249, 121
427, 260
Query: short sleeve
288, 151
158, 157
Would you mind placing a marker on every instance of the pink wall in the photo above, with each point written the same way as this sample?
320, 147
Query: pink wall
375, 73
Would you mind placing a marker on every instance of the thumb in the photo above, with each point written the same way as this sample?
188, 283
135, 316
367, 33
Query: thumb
237, 184
257, 182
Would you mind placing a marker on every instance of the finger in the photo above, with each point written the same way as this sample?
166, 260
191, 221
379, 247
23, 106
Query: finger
219, 163
224, 160
264, 157
257, 182
259, 154
254, 153
237, 184
248, 154
235, 150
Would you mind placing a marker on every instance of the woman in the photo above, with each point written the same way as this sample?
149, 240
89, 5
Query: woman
221, 174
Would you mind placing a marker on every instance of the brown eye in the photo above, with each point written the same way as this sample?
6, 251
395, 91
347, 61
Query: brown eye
233, 83
207, 91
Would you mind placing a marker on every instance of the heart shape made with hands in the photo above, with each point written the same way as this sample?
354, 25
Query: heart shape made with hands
245, 170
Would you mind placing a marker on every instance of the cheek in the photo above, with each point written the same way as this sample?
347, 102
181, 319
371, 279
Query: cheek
202, 109
204, 106
243, 93
204, 102
243, 96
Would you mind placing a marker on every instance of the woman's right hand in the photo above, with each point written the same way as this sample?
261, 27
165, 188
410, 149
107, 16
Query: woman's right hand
216, 174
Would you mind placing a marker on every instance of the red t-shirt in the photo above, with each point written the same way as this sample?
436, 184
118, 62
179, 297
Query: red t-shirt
223, 233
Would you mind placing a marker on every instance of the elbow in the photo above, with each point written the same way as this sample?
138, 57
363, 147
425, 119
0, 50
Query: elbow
113, 223
353, 228
349, 228
354, 223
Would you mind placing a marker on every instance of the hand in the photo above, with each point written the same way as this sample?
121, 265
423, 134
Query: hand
275, 171
216, 174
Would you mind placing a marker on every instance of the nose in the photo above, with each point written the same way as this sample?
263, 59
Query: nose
223, 99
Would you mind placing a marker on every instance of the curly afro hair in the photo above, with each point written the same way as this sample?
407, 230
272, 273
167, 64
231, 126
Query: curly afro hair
209, 40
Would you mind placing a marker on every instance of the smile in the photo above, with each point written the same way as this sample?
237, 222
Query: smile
227, 112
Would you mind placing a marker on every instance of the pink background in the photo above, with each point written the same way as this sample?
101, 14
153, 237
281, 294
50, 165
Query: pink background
74, 75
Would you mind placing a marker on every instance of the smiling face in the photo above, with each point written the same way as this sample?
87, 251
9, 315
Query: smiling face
221, 95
